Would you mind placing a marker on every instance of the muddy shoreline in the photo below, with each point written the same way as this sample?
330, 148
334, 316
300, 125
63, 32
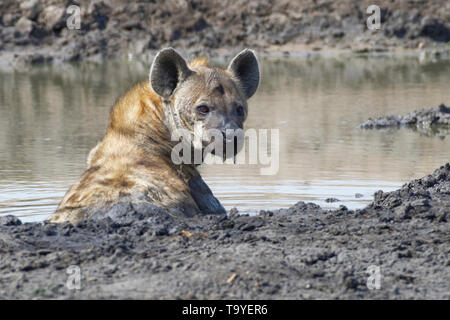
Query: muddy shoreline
36, 31
304, 252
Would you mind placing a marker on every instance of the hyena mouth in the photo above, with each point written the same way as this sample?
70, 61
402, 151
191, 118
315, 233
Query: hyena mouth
230, 147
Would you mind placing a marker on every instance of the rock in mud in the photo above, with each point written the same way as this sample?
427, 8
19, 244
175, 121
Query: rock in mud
432, 121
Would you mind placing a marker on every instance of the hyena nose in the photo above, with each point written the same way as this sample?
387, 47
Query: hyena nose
231, 125
229, 131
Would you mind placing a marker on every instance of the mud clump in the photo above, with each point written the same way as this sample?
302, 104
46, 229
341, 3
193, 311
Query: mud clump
303, 252
432, 121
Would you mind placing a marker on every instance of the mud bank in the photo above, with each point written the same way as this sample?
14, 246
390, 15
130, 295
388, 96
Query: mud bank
433, 121
304, 252
35, 31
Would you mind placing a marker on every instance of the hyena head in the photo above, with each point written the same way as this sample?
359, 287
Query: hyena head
206, 101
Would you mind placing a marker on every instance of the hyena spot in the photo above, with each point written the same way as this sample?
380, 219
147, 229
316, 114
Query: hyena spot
126, 184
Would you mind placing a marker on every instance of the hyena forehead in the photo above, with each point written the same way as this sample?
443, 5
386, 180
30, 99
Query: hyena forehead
170, 73
211, 86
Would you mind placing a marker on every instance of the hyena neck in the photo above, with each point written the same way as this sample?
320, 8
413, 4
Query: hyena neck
173, 123
142, 118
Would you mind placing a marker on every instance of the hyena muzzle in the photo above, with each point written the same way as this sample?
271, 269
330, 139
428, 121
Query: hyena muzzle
133, 164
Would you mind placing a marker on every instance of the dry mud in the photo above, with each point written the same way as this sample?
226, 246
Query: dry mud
304, 252
36, 31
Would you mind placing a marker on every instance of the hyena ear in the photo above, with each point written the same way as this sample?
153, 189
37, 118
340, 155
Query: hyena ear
168, 70
245, 69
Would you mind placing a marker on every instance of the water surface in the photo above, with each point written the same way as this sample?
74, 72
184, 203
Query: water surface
51, 116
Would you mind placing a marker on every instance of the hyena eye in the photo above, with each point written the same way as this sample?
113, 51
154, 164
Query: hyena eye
203, 109
240, 111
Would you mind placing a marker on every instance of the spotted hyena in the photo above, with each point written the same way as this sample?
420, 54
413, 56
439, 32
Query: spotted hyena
133, 162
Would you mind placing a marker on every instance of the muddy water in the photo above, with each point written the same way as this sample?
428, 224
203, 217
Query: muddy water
51, 116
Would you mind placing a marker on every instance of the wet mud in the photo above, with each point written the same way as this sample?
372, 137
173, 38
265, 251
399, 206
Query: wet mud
303, 252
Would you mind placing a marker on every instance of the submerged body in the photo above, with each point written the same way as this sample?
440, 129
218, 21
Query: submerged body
133, 163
